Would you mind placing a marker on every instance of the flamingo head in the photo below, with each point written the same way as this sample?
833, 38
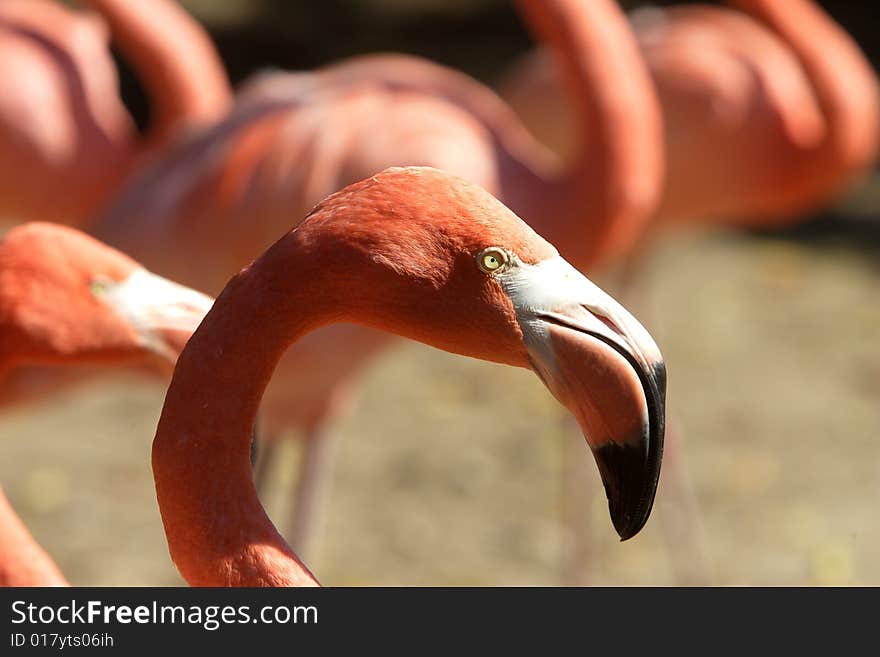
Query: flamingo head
429, 256
68, 297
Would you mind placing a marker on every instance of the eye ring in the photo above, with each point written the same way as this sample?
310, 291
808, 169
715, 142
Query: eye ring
100, 286
492, 260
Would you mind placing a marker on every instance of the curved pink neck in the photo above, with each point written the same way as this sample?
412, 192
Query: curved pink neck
616, 177
843, 80
218, 532
22, 561
175, 58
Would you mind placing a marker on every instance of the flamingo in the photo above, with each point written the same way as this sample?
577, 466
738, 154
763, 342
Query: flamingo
770, 112
293, 139
69, 304
63, 125
770, 109
430, 257
23, 562
66, 299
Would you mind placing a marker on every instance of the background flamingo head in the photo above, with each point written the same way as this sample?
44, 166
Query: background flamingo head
72, 299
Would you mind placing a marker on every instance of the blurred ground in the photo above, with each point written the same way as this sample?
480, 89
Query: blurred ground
450, 470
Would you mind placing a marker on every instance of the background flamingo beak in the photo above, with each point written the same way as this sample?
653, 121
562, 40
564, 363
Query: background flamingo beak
163, 313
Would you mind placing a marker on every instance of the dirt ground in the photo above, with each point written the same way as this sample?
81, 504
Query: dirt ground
450, 471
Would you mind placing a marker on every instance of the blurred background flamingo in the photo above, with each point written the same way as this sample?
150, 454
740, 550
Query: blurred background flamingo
770, 109
71, 305
66, 138
22, 561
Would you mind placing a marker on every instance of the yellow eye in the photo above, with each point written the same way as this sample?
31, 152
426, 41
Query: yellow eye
492, 260
99, 286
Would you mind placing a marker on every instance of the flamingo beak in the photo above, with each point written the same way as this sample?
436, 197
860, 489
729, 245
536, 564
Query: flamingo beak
163, 313
605, 368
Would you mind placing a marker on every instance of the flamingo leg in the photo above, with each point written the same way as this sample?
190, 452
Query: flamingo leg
312, 487
263, 453
255, 450
680, 518
311, 481
577, 501
678, 510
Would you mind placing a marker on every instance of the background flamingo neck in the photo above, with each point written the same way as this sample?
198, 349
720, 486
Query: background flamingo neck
843, 80
826, 51
22, 561
217, 529
97, 165
615, 179
175, 59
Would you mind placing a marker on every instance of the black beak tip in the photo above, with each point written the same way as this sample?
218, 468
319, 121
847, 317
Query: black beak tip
631, 469
629, 485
